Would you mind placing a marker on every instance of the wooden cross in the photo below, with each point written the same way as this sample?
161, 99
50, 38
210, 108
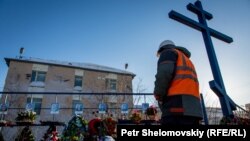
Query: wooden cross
217, 84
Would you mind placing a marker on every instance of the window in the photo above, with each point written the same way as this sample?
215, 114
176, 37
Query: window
111, 85
74, 105
38, 104
38, 76
112, 108
78, 81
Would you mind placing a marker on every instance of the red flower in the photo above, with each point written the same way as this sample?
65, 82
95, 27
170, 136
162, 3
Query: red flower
93, 126
110, 125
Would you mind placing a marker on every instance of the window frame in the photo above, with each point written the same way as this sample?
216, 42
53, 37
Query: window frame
77, 80
36, 103
36, 76
112, 85
74, 102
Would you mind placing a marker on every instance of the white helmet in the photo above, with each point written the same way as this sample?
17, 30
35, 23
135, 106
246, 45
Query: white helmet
164, 43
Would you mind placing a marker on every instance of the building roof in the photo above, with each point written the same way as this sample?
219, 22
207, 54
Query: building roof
86, 66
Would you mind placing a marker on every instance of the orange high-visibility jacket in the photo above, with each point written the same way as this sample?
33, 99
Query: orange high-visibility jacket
183, 93
185, 81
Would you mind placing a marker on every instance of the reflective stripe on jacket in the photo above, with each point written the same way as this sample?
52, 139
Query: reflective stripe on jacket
183, 96
185, 81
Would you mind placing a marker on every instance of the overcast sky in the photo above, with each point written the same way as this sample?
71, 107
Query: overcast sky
115, 32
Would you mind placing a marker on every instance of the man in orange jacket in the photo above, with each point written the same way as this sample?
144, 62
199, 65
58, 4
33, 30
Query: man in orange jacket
176, 86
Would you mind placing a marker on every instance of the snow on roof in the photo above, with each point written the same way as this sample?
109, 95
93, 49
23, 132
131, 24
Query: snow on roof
88, 66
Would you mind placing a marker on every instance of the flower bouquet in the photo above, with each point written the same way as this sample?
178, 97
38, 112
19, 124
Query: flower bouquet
102, 128
76, 129
27, 117
110, 125
151, 112
234, 121
136, 116
5, 123
51, 134
94, 126
25, 135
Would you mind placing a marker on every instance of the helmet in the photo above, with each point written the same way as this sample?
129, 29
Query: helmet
164, 43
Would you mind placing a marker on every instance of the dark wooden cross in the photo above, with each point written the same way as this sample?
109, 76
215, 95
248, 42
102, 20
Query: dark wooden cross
217, 84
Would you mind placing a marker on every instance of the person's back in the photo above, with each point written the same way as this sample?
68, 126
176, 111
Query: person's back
176, 86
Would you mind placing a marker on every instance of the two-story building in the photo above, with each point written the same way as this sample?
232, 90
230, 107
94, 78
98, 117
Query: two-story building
82, 82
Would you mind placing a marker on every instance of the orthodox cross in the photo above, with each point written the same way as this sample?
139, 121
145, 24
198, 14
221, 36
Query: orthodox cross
217, 84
